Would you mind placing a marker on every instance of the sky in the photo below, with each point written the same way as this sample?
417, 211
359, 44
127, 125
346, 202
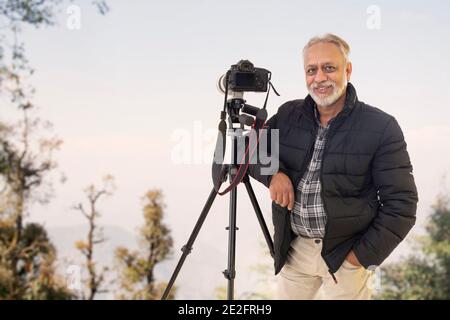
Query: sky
127, 89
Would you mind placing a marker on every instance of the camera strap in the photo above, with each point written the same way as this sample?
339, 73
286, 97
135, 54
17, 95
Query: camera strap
255, 133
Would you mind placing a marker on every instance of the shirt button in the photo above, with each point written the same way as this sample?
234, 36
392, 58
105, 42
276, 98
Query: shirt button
307, 182
304, 205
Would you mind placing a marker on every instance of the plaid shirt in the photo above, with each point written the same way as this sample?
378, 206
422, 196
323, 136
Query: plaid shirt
308, 216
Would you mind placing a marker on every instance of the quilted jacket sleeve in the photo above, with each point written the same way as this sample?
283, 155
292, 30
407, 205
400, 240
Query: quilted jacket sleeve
393, 178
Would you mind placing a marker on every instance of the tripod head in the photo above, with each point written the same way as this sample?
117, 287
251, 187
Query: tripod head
240, 78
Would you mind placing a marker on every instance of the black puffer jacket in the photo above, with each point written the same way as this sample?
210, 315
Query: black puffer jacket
368, 189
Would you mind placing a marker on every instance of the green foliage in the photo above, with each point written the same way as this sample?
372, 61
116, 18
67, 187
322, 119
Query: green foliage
26, 254
137, 267
426, 273
34, 12
32, 255
94, 237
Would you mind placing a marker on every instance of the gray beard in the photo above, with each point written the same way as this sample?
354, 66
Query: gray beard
332, 98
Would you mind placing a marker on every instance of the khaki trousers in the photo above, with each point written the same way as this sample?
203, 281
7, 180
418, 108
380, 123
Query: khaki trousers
305, 276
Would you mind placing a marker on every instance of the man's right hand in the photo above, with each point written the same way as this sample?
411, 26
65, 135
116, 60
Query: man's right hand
281, 190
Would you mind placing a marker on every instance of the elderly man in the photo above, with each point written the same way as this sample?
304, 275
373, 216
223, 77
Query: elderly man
344, 195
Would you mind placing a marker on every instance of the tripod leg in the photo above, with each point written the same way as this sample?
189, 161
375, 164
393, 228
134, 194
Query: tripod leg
187, 248
230, 273
259, 215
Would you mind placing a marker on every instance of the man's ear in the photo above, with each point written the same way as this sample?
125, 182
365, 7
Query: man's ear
348, 70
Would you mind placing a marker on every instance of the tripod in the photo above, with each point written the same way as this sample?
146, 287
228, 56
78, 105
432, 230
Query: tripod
227, 171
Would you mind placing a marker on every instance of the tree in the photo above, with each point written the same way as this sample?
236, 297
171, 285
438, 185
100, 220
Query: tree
426, 273
94, 236
25, 249
136, 269
26, 254
34, 274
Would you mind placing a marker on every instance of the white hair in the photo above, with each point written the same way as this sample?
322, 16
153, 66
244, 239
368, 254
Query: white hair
330, 38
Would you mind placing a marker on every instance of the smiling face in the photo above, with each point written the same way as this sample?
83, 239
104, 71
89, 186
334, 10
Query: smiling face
326, 72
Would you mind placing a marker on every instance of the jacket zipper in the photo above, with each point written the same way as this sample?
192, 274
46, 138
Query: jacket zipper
325, 209
329, 136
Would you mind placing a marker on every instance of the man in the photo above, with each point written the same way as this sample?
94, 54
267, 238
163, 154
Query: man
344, 195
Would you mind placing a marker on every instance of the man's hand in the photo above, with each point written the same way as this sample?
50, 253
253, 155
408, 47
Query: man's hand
352, 259
281, 190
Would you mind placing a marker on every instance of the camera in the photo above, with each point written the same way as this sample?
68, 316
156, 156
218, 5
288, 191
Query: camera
243, 77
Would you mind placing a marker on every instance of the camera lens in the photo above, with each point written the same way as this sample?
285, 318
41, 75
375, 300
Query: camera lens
221, 84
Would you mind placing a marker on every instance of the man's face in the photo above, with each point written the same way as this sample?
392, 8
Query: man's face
326, 73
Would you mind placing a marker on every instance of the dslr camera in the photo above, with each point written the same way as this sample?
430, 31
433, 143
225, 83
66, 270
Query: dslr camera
243, 77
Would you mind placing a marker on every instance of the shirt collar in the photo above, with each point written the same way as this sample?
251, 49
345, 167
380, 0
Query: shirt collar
317, 118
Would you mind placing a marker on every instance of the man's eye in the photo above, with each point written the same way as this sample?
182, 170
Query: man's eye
310, 71
330, 68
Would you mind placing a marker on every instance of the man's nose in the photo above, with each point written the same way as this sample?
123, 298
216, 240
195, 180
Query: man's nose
320, 76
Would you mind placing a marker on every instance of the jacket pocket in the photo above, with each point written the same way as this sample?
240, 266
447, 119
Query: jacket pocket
281, 238
279, 224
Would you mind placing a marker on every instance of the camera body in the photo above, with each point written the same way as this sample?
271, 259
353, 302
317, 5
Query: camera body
243, 77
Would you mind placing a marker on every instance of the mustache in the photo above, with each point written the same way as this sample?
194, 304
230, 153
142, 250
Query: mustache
324, 84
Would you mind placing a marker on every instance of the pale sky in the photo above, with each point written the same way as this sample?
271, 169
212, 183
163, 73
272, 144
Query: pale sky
118, 89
